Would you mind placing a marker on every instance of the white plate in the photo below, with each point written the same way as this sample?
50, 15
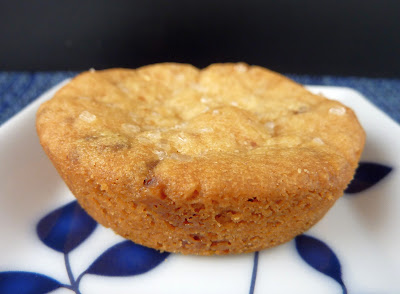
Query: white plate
361, 229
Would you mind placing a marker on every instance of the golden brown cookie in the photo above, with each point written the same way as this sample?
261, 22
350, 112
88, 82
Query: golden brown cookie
229, 159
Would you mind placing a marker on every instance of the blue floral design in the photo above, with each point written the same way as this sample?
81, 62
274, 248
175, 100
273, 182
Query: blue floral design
63, 230
126, 259
26, 283
367, 175
319, 256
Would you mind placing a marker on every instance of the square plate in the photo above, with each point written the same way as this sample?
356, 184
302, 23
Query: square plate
353, 248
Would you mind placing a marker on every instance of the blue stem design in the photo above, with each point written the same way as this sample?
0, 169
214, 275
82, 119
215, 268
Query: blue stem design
78, 280
74, 283
343, 287
254, 273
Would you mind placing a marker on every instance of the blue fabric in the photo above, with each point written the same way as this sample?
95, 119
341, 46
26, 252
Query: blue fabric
17, 89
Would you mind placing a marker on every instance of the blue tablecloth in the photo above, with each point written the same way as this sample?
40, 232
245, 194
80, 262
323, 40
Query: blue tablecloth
17, 89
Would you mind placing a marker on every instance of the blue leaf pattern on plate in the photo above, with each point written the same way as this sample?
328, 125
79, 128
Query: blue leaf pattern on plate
26, 283
126, 259
367, 175
66, 227
318, 255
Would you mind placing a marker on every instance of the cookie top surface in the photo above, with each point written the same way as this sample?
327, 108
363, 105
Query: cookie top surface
228, 129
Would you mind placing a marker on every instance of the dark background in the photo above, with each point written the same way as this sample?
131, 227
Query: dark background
358, 38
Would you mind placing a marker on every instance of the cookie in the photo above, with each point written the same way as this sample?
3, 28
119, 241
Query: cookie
228, 159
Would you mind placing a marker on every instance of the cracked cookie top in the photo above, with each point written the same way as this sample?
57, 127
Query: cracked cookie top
228, 129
